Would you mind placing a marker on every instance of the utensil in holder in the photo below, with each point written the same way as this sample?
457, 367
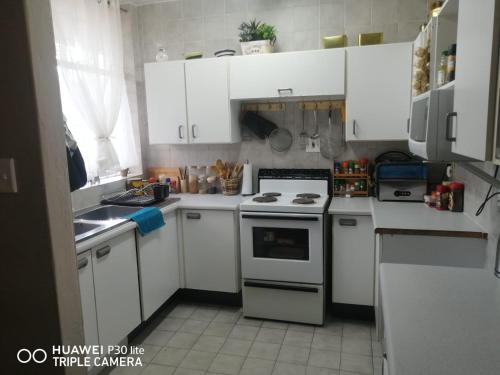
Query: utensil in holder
230, 186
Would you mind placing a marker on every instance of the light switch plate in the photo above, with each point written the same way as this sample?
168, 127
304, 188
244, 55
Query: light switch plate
8, 182
312, 145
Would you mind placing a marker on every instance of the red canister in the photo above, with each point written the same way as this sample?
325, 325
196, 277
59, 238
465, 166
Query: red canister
442, 197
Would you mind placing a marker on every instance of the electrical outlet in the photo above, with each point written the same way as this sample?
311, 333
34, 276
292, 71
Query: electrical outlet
312, 145
8, 182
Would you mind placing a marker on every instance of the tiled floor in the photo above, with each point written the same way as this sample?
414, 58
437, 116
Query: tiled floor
202, 339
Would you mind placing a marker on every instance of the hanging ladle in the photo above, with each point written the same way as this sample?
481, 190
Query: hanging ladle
316, 128
303, 135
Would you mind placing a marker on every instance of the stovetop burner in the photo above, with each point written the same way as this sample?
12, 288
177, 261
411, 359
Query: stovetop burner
308, 195
303, 201
271, 194
265, 199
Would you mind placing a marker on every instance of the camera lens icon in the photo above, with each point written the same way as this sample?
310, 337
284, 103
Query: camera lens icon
37, 356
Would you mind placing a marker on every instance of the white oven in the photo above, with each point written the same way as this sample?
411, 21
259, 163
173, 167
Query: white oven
282, 247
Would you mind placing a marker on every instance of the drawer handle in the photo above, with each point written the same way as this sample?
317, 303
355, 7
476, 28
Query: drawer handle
285, 92
103, 251
82, 263
193, 216
306, 289
348, 222
448, 126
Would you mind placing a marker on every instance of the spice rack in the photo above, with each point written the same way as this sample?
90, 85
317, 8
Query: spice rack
354, 184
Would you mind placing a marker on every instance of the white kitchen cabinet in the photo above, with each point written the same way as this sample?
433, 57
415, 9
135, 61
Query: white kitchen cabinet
211, 250
158, 265
378, 92
353, 260
208, 107
188, 102
166, 102
87, 296
305, 73
475, 78
116, 288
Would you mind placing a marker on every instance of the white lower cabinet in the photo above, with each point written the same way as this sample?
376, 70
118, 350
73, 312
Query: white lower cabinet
158, 254
87, 296
385, 368
353, 260
116, 288
211, 250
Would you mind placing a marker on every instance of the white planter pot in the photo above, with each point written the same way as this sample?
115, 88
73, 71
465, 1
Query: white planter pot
256, 47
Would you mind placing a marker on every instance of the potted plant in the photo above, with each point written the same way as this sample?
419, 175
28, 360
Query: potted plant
256, 37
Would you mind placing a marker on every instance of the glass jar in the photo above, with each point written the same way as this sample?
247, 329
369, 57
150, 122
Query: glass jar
443, 69
161, 55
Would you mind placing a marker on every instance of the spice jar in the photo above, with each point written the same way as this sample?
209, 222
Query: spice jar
450, 68
345, 167
442, 196
456, 198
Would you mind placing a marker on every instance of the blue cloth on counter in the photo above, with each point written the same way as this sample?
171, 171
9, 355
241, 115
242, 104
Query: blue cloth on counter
148, 219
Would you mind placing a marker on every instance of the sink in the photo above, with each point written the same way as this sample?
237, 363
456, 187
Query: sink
108, 213
81, 228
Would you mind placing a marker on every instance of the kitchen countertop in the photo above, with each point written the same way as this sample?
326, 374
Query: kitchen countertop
350, 206
187, 201
441, 320
408, 218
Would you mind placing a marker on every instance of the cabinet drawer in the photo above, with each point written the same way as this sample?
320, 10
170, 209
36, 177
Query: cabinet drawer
353, 260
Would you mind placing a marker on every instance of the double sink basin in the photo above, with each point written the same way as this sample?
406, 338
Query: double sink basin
100, 219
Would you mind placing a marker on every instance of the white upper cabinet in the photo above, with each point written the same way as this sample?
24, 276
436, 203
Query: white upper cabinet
475, 78
188, 102
378, 92
166, 102
305, 73
207, 88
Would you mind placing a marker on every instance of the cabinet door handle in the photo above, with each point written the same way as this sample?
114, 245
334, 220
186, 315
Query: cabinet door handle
103, 251
408, 126
285, 92
449, 116
348, 222
192, 130
180, 132
193, 216
354, 127
82, 263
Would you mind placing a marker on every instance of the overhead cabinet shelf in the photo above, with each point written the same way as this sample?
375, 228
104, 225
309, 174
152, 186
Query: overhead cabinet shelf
290, 74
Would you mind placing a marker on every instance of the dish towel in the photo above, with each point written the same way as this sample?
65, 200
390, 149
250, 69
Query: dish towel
148, 219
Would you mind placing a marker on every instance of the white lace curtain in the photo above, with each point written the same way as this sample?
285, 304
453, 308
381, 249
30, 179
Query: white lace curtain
91, 78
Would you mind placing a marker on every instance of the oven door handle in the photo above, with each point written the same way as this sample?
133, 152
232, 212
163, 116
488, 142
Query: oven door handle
306, 289
295, 218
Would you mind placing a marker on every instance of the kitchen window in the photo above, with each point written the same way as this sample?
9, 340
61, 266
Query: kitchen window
94, 98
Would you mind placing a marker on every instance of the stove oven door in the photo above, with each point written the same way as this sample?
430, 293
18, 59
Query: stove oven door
282, 247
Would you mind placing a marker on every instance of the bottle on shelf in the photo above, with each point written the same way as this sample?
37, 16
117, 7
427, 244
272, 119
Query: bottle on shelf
450, 68
443, 69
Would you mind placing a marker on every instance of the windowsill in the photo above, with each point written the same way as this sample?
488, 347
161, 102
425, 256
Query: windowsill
109, 180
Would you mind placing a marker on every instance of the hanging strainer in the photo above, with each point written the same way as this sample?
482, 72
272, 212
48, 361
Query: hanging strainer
280, 139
